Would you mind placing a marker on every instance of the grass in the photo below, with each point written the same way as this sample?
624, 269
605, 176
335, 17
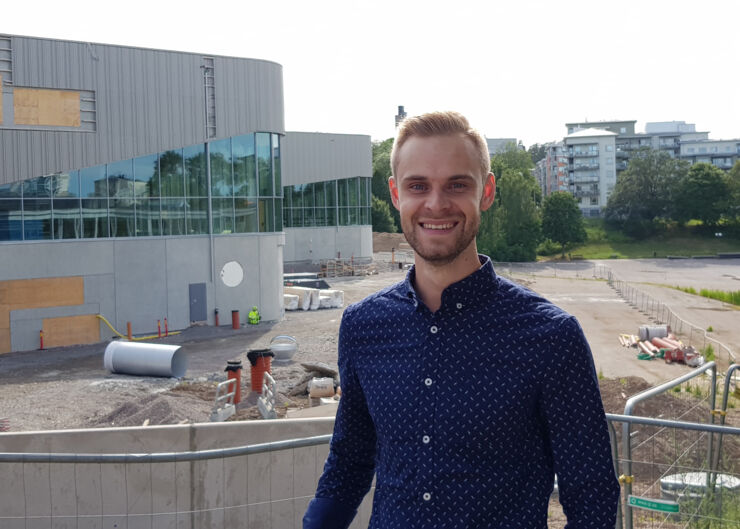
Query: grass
684, 241
731, 297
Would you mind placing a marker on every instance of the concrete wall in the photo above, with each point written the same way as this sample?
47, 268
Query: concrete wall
145, 280
314, 244
145, 101
259, 491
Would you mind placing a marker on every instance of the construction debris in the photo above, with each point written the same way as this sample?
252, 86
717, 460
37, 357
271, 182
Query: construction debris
304, 298
659, 342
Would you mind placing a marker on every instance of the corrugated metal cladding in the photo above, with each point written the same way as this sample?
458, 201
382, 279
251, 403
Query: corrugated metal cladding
146, 101
315, 157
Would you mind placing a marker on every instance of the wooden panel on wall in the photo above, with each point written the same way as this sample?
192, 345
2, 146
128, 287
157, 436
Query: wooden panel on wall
71, 330
4, 341
41, 106
47, 292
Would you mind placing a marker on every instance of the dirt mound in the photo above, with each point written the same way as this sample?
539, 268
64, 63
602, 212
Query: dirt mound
385, 242
168, 408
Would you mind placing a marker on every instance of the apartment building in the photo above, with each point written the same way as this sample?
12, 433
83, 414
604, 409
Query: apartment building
591, 168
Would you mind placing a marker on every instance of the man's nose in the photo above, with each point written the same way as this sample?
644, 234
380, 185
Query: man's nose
437, 200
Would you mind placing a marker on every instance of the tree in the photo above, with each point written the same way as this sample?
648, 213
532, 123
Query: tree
381, 174
382, 219
702, 194
513, 158
537, 152
732, 181
562, 221
644, 191
510, 231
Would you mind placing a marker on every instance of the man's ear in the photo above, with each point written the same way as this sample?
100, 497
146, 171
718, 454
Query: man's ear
489, 192
393, 188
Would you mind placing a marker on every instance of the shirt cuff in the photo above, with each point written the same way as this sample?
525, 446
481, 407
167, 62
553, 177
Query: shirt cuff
327, 513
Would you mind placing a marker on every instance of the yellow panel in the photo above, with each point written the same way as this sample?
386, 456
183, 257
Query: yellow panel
4, 340
47, 292
71, 330
40, 106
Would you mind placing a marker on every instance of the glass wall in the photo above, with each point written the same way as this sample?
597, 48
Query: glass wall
165, 193
344, 202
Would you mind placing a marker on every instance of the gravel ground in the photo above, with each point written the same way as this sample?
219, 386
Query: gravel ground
67, 387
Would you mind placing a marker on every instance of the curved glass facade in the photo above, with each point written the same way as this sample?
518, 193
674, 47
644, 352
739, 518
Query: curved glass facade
160, 194
344, 202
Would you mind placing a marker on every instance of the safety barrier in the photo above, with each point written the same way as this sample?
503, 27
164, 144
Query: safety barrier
270, 484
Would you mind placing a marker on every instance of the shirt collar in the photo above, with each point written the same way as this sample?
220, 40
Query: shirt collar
469, 291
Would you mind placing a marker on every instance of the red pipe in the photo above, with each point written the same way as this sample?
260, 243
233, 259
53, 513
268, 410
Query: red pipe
166, 329
41, 339
159, 328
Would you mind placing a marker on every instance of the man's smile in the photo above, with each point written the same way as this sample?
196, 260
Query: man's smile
438, 226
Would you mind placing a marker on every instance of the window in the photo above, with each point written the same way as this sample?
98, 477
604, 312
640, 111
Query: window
609, 148
264, 164
222, 184
623, 130
245, 168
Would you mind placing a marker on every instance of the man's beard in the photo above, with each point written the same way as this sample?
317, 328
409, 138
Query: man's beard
441, 256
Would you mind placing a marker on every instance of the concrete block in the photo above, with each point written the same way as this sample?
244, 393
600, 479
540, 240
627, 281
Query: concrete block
236, 482
63, 498
282, 515
183, 494
112, 483
87, 487
281, 475
138, 488
36, 489
164, 486
12, 497
304, 470
260, 516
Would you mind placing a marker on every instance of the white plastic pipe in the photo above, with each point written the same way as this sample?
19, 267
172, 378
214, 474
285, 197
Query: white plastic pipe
136, 358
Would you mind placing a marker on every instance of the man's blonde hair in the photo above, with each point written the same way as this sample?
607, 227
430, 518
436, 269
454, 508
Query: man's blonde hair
446, 123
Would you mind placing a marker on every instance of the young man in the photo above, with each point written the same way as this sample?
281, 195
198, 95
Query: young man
462, 391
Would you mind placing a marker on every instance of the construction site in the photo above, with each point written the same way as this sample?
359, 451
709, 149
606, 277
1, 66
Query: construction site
50, 399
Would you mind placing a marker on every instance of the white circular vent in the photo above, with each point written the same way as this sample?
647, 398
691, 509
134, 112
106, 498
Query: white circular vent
232, 274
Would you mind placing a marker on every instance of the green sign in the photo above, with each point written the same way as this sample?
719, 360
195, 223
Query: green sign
652, 504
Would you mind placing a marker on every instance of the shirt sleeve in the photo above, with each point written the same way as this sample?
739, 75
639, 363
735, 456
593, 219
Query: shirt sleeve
349, 469
578, 432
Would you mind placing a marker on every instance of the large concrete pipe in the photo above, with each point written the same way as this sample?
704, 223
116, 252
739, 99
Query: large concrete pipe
135, 358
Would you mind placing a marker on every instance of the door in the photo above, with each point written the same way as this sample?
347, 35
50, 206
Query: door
198, 302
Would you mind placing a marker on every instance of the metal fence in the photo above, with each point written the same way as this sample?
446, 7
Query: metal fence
678, 470
661, 313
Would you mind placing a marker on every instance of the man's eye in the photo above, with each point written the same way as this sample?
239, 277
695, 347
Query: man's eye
417, 187
459, 186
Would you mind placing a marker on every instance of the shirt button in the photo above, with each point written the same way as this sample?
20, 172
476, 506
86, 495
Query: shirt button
425, 439
426, 496
434, 329
428, 381
459, 306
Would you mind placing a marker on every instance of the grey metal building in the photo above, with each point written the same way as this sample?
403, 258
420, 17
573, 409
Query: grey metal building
135, 184
326, 211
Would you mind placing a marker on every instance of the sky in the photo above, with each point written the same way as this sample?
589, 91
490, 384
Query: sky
517, 69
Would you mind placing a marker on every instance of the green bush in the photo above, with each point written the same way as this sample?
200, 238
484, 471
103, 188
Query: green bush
547, 247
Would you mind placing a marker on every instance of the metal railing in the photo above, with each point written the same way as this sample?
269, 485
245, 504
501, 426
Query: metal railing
662, 313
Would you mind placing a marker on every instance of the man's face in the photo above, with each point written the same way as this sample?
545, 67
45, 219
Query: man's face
440, 192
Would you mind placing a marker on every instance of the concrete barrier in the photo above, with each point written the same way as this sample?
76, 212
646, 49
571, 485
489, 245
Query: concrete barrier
258, 491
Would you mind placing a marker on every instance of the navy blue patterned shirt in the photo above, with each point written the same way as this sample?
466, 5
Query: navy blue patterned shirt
465, 414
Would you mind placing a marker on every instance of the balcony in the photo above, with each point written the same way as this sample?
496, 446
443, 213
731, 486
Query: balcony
585, 166
585, 193
582, 154
621, 166
585, 181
